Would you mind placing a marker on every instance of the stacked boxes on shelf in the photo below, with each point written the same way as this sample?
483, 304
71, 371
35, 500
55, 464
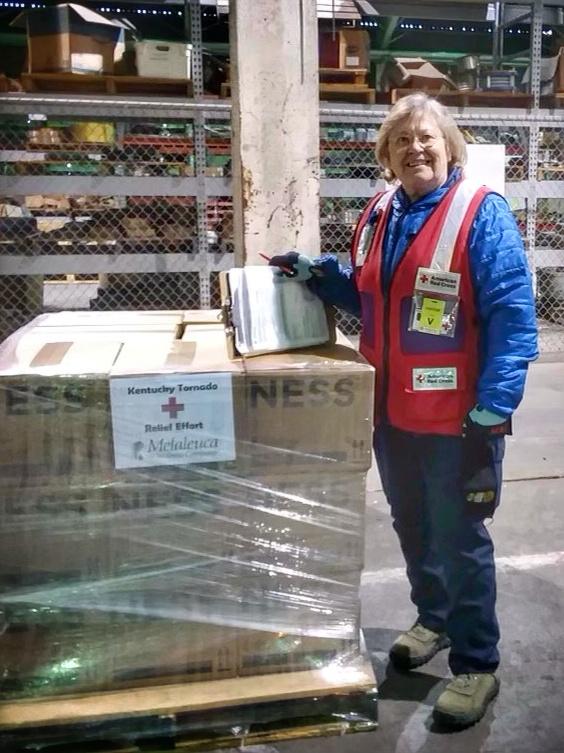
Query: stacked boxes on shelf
133, 554
70, 38
72, 48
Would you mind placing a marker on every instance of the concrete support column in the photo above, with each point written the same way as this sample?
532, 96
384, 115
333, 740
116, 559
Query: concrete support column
275, 100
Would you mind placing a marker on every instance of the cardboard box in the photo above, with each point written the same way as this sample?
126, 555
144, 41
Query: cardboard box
348, 48
316, 410
261, 652
162, 59
72, 651
551, 74
310, 409
138, 228
416, 73
68, 652
38, 201
282, 555
202, 316
69, 38
50, 532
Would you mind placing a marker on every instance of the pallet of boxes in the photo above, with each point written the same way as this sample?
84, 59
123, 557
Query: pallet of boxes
181, 535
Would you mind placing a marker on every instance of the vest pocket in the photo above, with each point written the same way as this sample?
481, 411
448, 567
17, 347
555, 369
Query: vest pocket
431, 394
412, 342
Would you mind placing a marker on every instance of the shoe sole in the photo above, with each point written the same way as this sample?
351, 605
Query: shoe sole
406, 662
459, 722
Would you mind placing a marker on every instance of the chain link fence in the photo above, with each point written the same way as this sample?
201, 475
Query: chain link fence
108, 208
549, 241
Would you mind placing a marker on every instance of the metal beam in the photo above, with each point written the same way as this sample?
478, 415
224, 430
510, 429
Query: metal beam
390, 26
79, 185
116, 263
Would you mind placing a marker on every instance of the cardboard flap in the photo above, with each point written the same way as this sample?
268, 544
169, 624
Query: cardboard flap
90, 16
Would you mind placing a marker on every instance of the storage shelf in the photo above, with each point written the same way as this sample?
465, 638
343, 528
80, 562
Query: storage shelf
209, 198
150, 186
76, 185
153, 108
54, 264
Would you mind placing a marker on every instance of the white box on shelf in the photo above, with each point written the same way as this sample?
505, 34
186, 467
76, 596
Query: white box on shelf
160, 59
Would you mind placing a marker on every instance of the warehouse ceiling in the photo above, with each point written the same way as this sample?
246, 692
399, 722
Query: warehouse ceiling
461, 10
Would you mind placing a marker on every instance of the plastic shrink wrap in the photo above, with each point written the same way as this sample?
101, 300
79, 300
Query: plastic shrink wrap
169, 516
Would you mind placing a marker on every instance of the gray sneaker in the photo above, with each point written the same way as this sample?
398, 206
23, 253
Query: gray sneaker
416, 647
465, 699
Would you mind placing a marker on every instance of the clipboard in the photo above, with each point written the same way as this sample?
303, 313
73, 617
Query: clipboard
282, 329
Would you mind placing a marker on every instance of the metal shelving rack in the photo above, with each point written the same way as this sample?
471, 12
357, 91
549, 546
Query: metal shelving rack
535, 146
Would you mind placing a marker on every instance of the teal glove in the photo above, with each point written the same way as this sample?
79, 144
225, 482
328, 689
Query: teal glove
293, 266
485, 417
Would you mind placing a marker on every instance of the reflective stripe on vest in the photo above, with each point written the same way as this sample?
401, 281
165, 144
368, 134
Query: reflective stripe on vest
442, 258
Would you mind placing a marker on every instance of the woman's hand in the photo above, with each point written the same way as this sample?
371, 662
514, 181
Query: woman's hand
293, 266
485, 417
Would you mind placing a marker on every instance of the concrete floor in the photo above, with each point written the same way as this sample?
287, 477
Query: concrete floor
528, 715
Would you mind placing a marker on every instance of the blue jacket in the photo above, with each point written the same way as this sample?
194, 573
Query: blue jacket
501, 281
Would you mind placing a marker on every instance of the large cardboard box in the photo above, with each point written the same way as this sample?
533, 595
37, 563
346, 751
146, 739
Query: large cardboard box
54, 391
162, 59
49, 533
72, 652
347, 48
293, 411
313, 409
416, 73
64, 652
69, 38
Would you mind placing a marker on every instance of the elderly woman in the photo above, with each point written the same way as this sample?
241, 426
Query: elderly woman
441, 282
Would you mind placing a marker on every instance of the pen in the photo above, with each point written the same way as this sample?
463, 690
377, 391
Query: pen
284, 269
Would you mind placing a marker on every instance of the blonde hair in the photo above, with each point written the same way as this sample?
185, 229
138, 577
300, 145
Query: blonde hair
413, 106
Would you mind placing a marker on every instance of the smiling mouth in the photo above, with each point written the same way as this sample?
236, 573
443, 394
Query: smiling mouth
418, 164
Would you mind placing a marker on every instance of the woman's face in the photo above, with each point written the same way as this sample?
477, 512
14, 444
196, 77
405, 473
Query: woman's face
419, 155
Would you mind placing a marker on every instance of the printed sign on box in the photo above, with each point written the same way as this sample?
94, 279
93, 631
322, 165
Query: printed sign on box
172, 419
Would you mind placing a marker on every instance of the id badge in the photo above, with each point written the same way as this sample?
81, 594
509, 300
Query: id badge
364, 243
435, 303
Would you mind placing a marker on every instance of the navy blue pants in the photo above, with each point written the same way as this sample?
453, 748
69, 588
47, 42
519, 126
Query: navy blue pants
447, 548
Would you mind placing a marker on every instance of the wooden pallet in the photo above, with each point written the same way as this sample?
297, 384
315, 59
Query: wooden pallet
198, 715
466, 99
94, 84
553, 101
347, 93
343, 75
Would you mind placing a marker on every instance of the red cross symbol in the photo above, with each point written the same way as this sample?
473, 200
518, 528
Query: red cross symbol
446, 325
424, 279
172, 407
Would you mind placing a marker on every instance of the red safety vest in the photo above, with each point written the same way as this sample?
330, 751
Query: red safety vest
426, 383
